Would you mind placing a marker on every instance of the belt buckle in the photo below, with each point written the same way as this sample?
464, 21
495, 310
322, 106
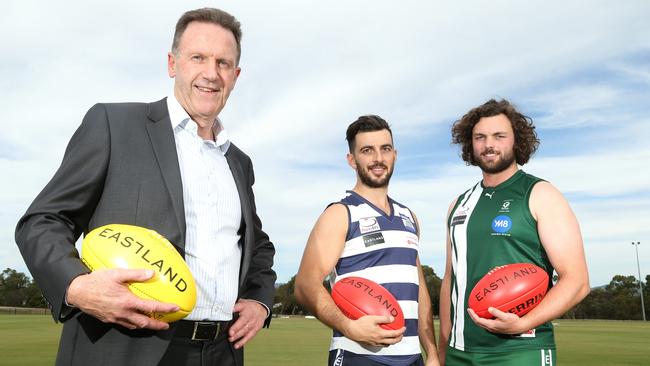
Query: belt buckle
199, 323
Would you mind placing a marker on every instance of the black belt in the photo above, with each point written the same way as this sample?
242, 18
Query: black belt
202, 330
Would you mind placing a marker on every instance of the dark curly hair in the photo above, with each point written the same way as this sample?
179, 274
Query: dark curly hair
526, 141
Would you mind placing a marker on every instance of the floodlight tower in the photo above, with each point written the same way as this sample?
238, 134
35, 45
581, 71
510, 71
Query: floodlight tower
636, 246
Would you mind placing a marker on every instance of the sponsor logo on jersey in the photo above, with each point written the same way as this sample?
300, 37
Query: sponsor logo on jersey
459, 216
407, 222
368, 224
373, 239
505, 206
412, 239
458, 220
501, 224
490, 194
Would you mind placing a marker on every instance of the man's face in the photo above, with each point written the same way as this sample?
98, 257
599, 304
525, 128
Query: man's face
493, 142
373, 158
205, 68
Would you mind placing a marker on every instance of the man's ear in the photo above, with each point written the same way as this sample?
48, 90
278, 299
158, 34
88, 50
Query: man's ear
171, 65
351, 162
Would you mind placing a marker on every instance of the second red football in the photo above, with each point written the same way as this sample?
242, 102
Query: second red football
516, 288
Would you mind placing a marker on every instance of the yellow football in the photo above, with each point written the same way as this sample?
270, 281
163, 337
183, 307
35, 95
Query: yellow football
133, 247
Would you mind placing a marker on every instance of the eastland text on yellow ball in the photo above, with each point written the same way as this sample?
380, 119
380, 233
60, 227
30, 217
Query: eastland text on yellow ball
142, 251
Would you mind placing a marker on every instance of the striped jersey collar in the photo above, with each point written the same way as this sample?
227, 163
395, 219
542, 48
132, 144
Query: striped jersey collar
388, 215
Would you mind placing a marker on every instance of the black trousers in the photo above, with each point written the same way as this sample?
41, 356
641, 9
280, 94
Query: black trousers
183, 351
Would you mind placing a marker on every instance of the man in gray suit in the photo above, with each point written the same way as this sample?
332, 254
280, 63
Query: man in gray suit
170, 167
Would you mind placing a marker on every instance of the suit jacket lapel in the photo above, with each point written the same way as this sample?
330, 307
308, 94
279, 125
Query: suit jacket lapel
162, 139
242, 189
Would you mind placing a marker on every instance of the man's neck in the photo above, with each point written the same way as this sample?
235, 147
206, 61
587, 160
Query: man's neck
493, 180
205, 131
377, 196
204, 126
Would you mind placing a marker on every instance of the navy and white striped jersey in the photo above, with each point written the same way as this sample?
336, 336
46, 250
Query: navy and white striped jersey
384, 249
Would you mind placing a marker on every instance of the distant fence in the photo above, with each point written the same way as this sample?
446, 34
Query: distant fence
24, 311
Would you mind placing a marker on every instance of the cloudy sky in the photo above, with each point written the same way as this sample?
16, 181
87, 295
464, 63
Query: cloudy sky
580, 69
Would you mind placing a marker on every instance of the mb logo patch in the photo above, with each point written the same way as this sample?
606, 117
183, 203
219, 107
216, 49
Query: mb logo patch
501, 224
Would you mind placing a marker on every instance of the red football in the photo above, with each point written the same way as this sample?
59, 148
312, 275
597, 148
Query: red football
516, 288
357, 297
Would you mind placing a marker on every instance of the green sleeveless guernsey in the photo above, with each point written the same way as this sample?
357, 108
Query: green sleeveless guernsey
489, 227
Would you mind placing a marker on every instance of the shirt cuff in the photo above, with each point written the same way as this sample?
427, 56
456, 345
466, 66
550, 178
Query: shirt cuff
66, 310
268, 311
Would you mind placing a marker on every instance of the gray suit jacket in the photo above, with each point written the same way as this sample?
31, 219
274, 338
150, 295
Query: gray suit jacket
121, 166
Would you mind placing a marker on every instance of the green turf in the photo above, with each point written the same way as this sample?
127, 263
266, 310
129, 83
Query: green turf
32, 340
290, 342
602, 342
28, 340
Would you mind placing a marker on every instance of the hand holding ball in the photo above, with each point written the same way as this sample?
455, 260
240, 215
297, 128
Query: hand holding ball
357, 297
516, 288
133, 247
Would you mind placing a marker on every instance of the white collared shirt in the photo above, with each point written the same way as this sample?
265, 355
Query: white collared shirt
212, 215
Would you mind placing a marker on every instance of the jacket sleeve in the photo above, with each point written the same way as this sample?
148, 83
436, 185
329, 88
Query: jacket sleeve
260, 281
47, 232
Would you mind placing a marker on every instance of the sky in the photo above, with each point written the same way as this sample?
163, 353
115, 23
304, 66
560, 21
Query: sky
579, 69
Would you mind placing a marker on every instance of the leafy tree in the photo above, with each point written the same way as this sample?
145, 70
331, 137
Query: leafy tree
12, 285
286, 299
646, 296
34, 297
624, 298
594, 306
286, 302
17, 289
433, 285
618, 300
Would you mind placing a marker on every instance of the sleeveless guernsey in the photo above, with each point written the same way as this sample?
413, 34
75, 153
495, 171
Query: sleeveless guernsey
489, 227
384, 249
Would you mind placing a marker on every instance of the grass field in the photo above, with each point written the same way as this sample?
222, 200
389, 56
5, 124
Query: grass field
32, 340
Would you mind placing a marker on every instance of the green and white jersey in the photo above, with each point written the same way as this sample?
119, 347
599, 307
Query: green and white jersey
489, 227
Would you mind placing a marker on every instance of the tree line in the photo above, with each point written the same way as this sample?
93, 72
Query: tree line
286, 303
619, 300
18, 290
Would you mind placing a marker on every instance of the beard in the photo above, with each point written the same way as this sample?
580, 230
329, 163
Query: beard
366, 177
504, 161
